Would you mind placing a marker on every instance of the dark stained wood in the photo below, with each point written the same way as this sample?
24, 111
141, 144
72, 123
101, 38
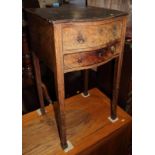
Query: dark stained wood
75, 14
38, 81
52, 34
88, 128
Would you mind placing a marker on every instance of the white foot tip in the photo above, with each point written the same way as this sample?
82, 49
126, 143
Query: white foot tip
85, 95
113, 120
39, 112
70, 146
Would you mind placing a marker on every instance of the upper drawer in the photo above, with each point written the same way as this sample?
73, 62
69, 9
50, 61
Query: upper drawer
90, 36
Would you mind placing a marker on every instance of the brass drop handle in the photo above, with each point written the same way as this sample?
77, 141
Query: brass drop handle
80, 39
113, 49
100, 54
79, 60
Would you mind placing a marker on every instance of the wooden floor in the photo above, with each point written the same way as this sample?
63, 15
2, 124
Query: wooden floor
87, 122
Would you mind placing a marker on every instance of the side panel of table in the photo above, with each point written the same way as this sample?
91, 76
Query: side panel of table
41, 39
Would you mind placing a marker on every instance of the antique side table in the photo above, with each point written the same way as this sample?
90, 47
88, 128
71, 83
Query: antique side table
70, 39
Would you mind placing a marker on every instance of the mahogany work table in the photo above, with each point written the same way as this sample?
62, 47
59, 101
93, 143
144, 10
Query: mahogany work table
70, 39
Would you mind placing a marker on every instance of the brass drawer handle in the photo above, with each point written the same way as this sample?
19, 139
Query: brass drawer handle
100, 54
113, 49
79, 60
80, 39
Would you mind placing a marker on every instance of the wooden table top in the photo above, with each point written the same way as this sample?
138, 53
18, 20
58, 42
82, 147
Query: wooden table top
87, 123
69, 14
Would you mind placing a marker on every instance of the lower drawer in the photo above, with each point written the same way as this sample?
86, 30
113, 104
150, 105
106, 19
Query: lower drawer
90, 59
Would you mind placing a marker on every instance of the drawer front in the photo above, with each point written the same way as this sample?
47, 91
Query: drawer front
83, 37
93, 58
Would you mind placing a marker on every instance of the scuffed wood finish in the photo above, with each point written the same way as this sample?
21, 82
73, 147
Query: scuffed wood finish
82, 60
87, 128
86, 36
75, 14
69, 39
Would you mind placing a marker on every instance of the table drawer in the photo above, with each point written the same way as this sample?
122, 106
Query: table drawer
83, 37
93, 58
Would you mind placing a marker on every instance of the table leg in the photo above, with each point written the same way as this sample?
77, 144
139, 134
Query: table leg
38, 81
117, 75
116, 81
59, 108
59, 85
86, 75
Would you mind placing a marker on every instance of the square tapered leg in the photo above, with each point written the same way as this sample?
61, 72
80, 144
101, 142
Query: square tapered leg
38, 81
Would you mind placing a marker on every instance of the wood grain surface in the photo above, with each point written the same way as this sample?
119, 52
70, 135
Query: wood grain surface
86, 121
83, 36
75, 14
